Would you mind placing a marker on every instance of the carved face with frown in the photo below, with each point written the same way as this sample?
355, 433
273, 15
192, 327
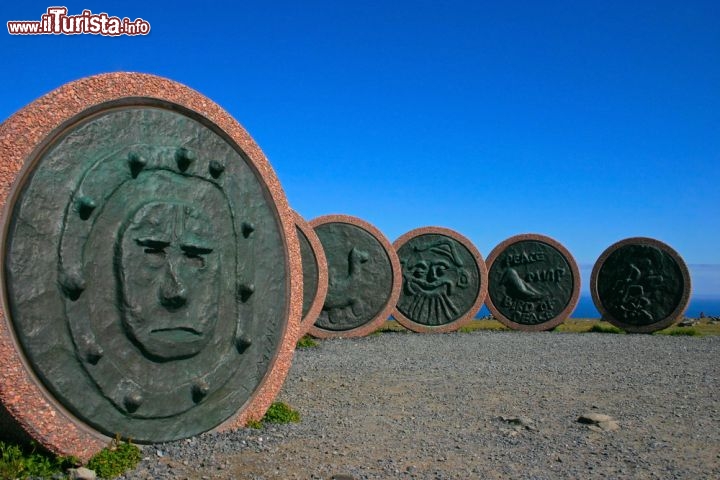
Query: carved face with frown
169, 280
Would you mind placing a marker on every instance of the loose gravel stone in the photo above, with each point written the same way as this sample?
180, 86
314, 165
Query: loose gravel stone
441, 406
81, 473
594, 418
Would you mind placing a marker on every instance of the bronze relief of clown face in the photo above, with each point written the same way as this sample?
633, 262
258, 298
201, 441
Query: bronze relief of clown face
434, 277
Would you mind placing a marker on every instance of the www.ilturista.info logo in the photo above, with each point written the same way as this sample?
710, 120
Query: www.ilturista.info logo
57, 22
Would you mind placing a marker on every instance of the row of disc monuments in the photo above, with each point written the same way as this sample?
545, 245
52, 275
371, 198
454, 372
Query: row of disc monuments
154, 287
434, 279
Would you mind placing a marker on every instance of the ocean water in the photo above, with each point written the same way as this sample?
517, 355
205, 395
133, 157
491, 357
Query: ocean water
707, 304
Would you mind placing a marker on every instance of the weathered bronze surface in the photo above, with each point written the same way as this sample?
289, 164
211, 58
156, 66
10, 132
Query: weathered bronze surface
310, 272
315, 273
641, 285
144, 271
533, 284
360, 276
441, 279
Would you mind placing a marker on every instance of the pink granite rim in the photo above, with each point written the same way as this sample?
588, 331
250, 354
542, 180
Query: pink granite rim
673, 317
375, 323
322, 281
23, 137
468, 316
574, 297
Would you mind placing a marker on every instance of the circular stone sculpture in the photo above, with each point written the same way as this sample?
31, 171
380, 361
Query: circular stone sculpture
640, 285
534, 283
315, 274
444, 280
151, 269
364, 277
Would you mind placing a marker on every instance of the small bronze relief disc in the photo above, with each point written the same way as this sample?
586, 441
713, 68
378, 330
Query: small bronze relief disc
363, 277
315, 274
534, 283
444, 280
640, 285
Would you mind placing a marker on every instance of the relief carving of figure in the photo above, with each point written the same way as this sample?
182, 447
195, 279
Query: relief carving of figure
340, 297
431, 275
631, 290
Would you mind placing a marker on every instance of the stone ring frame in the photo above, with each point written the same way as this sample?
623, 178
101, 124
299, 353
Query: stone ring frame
183, 184
458, 292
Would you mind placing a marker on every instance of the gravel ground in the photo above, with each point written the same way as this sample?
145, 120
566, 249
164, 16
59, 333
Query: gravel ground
491, 405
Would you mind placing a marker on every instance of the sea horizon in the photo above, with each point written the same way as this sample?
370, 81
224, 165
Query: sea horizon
708, 305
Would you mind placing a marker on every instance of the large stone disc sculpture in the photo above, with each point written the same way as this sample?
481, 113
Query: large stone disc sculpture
364, 277
444, 280
151, 273
640, 285
534, 283
315, 274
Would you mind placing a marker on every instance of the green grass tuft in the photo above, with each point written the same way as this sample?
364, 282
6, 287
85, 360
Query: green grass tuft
116, 459
705, 327
254, 424
280, 412
23, 462
390, 326
680, 331
307, 342
598, 328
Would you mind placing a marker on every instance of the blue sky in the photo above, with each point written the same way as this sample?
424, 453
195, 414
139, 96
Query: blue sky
589, 122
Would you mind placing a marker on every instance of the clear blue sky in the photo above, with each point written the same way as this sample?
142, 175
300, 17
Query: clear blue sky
586, 121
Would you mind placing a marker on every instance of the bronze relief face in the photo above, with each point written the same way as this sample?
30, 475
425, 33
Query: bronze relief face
169, 278
158, 229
